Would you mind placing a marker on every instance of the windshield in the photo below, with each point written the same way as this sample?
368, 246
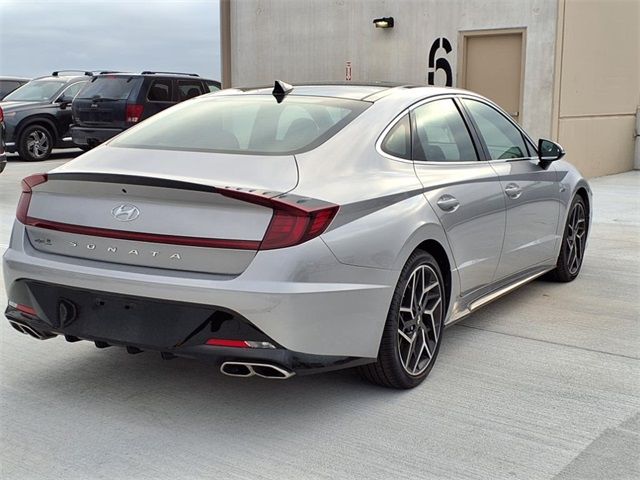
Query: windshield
35, 91
254, 124
110, 87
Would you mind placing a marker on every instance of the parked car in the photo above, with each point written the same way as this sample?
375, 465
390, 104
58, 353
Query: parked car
114, 102
3, 156
9, 84
328, 227
37, 115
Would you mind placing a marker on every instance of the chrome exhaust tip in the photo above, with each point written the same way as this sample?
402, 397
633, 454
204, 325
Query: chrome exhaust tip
264, 370
27, 330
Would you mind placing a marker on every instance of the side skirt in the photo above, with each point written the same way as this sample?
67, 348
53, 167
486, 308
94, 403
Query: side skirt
496, 293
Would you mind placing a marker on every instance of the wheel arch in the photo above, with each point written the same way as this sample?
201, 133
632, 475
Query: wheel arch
582, 192
43, 120
437, 251
432, 239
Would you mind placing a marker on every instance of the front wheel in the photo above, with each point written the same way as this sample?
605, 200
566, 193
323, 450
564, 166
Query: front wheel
35, 143
413, 331
573, 243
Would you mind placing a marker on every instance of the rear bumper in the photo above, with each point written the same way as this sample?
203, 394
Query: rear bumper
91, 136
301, 298
3, 162
140, 324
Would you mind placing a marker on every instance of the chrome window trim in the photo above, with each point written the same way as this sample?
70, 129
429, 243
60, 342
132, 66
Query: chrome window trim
59, 96
409, 109
384, 133
497, 108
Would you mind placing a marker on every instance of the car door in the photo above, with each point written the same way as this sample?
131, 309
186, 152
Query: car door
531, 191
160, 95
189, 89
463, 190
64, 113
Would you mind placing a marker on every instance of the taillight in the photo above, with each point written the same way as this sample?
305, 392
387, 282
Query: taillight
295, 220
134, 112
25, 198
1, 115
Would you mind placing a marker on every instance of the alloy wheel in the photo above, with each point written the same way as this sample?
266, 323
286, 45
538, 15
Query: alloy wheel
576, 236
420, 320
38, 144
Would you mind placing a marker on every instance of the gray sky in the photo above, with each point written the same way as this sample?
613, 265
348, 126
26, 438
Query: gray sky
39, 36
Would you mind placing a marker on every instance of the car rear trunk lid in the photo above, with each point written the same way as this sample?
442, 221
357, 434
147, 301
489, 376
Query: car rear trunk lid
104, 207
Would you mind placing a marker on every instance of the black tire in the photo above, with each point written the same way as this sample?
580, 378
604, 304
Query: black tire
566, 268
389, 369
85, 148
35, 143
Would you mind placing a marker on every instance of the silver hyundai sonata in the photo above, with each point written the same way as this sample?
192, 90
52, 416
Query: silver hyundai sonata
295, 230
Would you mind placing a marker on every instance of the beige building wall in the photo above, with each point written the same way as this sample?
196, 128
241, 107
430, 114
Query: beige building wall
320, 40
597, 83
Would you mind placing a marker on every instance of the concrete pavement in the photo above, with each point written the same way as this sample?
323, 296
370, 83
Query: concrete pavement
542, 384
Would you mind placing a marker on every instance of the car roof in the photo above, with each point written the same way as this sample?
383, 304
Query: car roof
16, 79
191, 76
65, 78
370, 92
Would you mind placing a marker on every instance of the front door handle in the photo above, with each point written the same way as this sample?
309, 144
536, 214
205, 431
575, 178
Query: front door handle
513, 190
448, 203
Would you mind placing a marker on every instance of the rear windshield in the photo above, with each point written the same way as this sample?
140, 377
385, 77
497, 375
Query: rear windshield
254, 124
35, 91
110, 87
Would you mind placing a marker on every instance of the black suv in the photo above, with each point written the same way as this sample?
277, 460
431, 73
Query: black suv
37, 115
113, 102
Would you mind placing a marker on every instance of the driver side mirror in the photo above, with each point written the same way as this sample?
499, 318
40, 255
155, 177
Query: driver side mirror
64, 101
549, 151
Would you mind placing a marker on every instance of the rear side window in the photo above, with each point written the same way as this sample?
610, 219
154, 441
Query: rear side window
212, 86
398, 140
8, 86
188, 89
110, 87
441, 134
160, 91
503, 139
245, 124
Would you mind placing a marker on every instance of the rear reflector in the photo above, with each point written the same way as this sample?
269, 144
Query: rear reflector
24, 308
221, 342
134, 112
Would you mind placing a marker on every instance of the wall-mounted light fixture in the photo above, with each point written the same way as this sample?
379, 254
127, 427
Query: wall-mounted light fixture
384, 22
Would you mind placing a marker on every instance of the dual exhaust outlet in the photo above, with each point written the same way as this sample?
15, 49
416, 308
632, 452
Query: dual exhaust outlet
264, 370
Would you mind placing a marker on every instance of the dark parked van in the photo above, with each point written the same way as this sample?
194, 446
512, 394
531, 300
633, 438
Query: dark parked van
112, 102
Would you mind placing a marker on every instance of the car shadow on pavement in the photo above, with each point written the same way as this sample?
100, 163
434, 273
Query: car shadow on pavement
177, 388
69, 154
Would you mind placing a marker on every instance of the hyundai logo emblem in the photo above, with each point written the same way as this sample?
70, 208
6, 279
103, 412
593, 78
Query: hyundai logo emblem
125, 212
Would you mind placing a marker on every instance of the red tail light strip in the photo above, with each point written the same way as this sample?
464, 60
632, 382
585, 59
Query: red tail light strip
221, 342
144, 237
295, 220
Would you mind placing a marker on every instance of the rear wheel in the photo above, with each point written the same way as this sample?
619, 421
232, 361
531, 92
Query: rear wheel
413, 332
35, 143
573, 243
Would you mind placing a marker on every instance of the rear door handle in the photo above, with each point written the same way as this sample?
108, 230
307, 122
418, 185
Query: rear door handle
448, 203
513, 190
